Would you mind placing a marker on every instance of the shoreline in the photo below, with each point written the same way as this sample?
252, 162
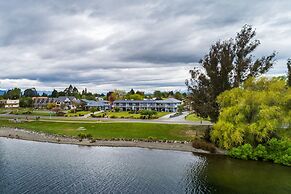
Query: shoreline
22, 134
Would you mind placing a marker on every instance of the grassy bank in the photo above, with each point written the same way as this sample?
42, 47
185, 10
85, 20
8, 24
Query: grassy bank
194, 118
26, 111
127, 115
111, 130
77, 114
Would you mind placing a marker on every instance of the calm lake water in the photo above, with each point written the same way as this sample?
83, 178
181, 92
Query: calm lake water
33, 167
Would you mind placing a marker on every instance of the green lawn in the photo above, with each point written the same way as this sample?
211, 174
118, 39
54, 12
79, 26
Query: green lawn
43, 113
77, 114
127, 115
194, 117
111, 130
27, 111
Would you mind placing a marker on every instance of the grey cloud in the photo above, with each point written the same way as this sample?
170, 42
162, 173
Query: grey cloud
125, 44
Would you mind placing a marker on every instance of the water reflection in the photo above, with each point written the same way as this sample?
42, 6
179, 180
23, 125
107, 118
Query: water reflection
32, 167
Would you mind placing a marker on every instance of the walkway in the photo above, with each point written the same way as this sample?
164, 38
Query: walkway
175, 120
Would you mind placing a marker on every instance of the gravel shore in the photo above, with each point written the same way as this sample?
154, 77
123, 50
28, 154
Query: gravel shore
41, 137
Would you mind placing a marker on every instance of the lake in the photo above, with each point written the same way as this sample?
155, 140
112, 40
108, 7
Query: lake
34, 167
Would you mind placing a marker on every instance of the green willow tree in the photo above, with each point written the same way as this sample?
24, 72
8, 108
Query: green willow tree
227, 65
253, 113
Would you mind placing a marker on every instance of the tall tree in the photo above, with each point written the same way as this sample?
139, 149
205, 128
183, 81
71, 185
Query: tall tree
289, 72
13, 94
252, 113
69, 91
31, 92
55, 94
131, 92
228, 64
158, 94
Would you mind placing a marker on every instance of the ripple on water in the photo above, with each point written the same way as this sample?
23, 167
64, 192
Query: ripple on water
32, 167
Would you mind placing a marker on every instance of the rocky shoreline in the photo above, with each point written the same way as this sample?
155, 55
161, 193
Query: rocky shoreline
42, 137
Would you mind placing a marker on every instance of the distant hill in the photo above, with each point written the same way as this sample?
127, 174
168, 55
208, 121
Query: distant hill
46, 92
2, 92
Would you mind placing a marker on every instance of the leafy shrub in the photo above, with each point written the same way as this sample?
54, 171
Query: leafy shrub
150, 138
244, 152
277, 151
116, 109
60, 113
142, 117
27, 113
71, 111
83, 136
89, 136
148, 113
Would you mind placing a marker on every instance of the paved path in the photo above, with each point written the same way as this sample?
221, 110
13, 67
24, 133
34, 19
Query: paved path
88, 115
163, 121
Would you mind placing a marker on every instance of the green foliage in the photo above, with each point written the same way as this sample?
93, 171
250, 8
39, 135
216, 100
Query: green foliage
227, 65
31, 92
93, 109
116, 109
12, 94
26, 102
148, 113
180, 108
134, 97
277, 151
51, 106
85, 136
253, 113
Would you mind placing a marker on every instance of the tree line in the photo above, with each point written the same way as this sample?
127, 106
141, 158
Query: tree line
26, 96
251, 114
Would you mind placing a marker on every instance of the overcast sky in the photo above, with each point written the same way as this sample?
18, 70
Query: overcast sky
146, 45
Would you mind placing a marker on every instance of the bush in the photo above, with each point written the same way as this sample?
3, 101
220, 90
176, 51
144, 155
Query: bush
27, 113
72, 111
148, 113
84, 136
244, 152
116, 109
89, 136
277, 151
204, 146
60, 114
150, 138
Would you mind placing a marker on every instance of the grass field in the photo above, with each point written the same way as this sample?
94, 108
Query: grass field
77, 114
43, 113
127, 115
194, 117
26, 111
111, 130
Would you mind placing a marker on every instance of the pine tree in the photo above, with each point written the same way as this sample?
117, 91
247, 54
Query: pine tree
227, 65
289, 72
